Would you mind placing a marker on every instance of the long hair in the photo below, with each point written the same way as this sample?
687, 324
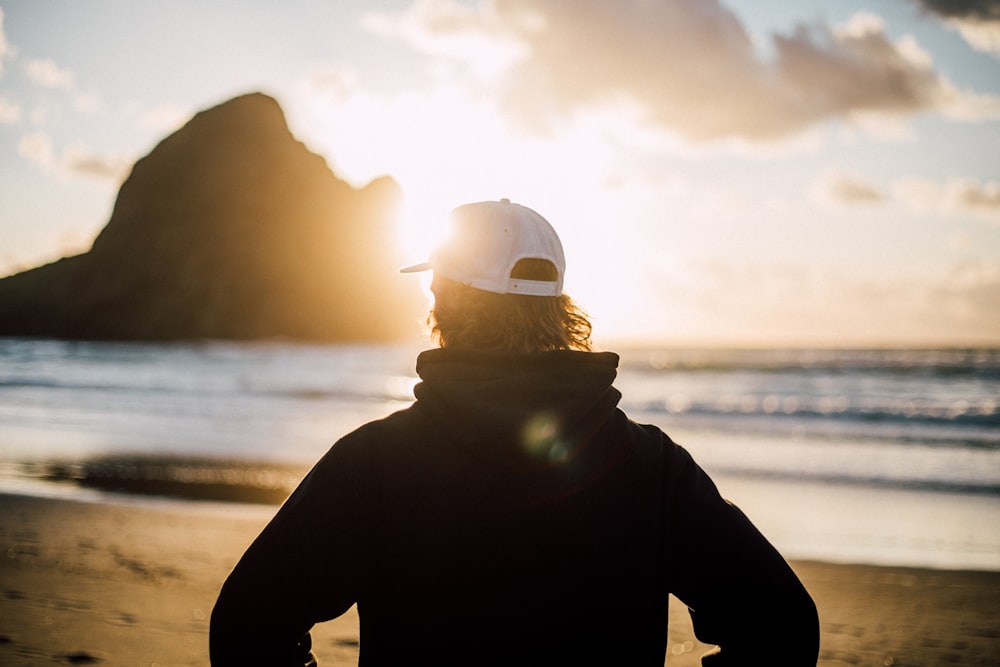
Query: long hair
465, 317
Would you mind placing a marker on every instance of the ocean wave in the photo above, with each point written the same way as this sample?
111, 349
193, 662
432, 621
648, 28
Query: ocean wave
881, 481
984, 413
931, 362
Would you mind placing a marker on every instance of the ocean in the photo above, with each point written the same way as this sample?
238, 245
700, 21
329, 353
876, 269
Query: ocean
882, 456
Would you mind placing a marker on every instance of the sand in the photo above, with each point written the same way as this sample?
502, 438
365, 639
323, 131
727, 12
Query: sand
130, 584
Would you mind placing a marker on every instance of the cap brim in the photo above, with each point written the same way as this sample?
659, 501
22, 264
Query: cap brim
416, 268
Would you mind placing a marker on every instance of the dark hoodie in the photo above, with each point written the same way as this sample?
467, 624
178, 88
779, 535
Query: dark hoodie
512, 515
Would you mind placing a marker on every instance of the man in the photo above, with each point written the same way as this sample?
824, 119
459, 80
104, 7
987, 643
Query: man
513, 515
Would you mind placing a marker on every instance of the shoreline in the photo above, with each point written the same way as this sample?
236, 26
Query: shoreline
131, 582
834, 522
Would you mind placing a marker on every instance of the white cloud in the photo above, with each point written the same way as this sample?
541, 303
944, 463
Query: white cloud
9, 111
336, 81
689, 64
978, 21
47, 74
797, 303
452, 30
953, 196
163, 118
831, 73
848, 190
970, 106
981, 35
40, 114
78, 159
87, 103
983, 198
969, 294
37, 149
919, 194
6, 50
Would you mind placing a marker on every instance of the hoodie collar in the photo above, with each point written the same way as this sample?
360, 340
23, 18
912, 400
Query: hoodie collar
529, 406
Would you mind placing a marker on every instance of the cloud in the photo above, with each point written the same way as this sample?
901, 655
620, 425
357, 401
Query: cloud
10, 112
47, 74
968, 295
37, 148
953, 196
855, 69
6, 50
689, 65
89, 165
978, 21
336, 81
78, 159
88, 103
973, 10
451, 30
781, 303
980, 198
163, 118
970, 106
847, 190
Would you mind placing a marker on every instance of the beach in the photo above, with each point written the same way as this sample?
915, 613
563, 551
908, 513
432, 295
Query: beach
133, 583
133, 477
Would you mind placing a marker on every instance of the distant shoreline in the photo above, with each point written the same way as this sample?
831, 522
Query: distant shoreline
217, 479
615, 343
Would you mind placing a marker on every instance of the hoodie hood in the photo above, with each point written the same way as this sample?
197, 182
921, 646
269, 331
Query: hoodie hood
524, 408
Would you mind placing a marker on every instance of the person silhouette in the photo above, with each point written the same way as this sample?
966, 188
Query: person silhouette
513, 514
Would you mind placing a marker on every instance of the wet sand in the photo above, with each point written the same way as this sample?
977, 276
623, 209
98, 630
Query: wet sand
117, 584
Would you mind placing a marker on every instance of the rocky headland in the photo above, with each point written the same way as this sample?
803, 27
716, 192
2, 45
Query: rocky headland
229, 229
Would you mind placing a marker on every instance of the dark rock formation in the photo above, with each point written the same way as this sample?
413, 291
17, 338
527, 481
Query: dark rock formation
229, 228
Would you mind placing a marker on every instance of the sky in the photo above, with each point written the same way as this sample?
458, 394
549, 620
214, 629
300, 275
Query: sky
738, 172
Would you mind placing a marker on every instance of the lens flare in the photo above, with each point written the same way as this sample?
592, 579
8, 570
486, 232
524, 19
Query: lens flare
541, 440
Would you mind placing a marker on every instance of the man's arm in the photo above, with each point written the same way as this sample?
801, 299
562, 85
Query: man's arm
302, 569
739, 588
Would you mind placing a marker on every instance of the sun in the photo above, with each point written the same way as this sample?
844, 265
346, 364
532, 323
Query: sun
421, 225
446, 146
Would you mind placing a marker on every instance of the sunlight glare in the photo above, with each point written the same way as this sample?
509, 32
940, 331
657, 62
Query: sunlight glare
446, 147
422, 225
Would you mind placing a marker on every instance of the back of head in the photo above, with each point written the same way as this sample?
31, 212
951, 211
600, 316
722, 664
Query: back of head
498, 284
466, 317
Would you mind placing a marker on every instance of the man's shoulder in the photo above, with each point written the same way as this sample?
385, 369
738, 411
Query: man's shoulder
384, 429
365, 446
649, 438
650, 433
400, 419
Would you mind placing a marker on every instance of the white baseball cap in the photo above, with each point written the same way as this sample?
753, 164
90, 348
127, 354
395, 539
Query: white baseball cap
487, 239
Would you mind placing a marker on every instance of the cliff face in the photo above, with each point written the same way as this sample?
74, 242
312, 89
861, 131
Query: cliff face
229, 228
